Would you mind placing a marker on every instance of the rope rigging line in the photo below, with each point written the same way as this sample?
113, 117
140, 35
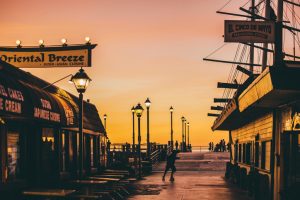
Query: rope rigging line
224, 44
225, 5
245, 4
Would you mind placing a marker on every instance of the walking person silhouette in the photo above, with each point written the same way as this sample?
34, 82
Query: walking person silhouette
171, 165
176, 145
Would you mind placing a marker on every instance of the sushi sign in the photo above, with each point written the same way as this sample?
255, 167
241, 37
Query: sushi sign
249, 31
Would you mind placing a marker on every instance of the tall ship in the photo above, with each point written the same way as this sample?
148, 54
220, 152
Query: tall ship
260, 105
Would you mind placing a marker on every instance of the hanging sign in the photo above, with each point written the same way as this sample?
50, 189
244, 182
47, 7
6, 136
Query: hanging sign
248, 31
45, 57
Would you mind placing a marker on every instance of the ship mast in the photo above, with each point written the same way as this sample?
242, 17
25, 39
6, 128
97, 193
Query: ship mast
265, 52
252, 44
278, 56
294, 35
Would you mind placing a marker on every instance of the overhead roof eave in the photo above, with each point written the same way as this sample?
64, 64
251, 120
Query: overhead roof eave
272, 88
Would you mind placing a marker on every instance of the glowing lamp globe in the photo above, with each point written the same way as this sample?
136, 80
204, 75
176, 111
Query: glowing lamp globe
133, 109
81, 81
139, 110
148, 103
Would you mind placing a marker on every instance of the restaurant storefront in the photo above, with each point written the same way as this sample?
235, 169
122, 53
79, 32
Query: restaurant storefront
263, 121
39, 140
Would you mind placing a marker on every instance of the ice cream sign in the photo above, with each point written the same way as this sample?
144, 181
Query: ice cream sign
11, 100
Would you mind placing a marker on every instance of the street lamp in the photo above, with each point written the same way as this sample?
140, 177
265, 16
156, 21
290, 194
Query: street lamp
81, 82
105, 117
139, 111
133, 137
182, 119
107, 150
133, 133
171, 112
185, 122
188, 135
148, 103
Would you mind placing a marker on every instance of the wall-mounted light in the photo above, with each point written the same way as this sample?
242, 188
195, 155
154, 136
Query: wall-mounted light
64, 42
87, 40
18, 43
41, 43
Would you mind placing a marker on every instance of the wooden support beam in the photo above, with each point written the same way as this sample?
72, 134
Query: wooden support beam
244, 70
212, 115
254, 15
233, 14
216, 108
292, 29
270, 50
221, 100
231, 62
228, 85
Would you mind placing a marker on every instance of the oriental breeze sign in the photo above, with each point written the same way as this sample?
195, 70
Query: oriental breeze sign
69, 56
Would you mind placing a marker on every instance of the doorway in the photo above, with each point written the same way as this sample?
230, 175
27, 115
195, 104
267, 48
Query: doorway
290, 148
48, 157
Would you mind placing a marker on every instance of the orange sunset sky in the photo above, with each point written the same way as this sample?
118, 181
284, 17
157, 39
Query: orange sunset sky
146, 48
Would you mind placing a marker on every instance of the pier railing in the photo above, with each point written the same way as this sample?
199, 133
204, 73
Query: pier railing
122, 155
160, 154
200, 148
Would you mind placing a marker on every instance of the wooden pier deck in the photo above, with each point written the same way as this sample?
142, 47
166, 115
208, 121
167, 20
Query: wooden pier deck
198, 176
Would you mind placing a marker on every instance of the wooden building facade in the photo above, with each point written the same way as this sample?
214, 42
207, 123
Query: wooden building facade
39, 139
263, 120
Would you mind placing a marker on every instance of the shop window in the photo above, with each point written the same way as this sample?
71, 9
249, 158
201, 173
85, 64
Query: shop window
248, 153
256, 162
92, 150
48, 137
266, 155
13, 155
235, 152
71, 147
240, 152
63, 151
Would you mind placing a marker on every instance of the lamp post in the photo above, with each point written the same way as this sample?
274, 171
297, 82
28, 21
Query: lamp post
133, 137
171, 112
139, 111
105, 117
182, 141
188, 135
133, 133
106, 151
185, 122
81, 81
148, 103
